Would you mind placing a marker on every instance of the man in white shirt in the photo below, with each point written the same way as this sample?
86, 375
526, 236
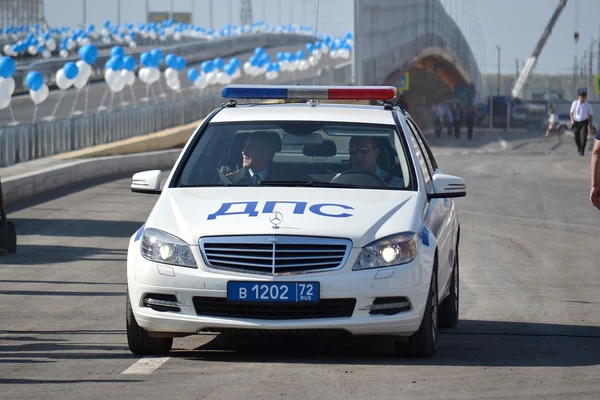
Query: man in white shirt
581, 117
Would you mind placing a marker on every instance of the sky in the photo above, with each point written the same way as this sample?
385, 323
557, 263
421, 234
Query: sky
513, 25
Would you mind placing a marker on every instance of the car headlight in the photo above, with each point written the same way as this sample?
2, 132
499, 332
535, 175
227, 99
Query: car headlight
165, 248
392, 250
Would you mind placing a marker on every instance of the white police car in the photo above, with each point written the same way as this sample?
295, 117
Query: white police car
305, 216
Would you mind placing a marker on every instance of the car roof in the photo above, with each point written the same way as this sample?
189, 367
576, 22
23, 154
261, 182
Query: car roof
375, 114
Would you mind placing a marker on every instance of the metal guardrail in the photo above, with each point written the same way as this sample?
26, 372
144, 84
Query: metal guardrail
194, 52
25, 142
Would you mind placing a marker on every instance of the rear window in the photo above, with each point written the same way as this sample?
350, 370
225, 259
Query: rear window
298, 153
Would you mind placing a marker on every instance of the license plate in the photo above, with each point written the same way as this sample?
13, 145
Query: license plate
273, 292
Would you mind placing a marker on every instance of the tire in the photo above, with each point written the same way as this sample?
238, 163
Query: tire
423, 343
449, 309
140, 343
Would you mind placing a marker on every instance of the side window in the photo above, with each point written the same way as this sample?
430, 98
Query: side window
424, 145
422, 161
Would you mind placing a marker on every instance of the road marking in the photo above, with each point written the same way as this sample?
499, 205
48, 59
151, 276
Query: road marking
146, 365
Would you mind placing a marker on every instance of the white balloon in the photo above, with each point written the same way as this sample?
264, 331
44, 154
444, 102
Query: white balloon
8, 50
62, 81
8, 84
211, 78
4, 98
112, 76
271, 75
64, 53
32, 50
130, 80
154, 75
223, 78
143, 75
80, 81
171, 74
46, 53
201, 82
51, 44
84, 68
174, 85
41, 95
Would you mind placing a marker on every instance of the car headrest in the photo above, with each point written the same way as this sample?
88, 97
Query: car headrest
325, 149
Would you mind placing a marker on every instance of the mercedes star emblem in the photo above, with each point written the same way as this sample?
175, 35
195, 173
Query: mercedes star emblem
276, 219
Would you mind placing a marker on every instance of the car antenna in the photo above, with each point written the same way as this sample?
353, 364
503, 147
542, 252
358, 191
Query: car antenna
315, 44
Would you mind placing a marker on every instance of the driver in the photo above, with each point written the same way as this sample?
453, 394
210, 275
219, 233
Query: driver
363, 156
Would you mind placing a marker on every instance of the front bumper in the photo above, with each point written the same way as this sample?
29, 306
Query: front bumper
410, 281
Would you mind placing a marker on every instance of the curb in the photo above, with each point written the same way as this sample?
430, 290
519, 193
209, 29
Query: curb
20, 187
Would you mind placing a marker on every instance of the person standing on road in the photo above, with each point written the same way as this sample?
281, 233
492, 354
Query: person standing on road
470, 121
581, 118
552, 123
595, 192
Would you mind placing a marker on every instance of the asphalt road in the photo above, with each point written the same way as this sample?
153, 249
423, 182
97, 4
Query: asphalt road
99, 96
530, 326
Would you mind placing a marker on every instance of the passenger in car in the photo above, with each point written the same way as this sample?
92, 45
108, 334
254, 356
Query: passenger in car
257, 156
364, 152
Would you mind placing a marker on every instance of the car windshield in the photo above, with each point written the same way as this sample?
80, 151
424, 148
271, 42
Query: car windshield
298, 153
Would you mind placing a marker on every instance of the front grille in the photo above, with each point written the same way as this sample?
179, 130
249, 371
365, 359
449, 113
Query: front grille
274, 255
325, 308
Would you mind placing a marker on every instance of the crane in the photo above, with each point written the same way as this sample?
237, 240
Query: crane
531, 61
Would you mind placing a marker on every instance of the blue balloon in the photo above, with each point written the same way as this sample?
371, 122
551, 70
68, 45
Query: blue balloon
193, 74
181, 64
219, 63
34, 80
117, 63
230, 69
157, 54
88, 53
117, 51
207, 66
300, 55
147, 60
71, 70
7, 67
310, 47
129, 63
258, 51
171, 61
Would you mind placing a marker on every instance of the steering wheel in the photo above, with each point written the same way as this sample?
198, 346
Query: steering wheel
367, 178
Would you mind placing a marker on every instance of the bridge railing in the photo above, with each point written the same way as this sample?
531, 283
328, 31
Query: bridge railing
28, 141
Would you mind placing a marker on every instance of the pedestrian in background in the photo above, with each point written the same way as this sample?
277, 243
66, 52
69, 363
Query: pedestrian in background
581, 119
470, 121
595, 192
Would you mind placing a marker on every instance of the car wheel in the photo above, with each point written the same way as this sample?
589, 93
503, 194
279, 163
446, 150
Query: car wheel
138, 339
450, 305
423, 343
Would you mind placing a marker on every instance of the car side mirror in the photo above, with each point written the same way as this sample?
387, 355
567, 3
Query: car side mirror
147, 182
448, 186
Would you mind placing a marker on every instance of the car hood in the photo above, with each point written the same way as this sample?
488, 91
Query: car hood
360, 215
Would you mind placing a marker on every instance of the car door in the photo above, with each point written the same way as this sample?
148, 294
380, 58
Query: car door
440, 217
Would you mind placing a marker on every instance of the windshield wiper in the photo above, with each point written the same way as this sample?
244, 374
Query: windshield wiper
308, 183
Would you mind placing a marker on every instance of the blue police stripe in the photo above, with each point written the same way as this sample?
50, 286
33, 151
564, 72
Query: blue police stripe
138, 234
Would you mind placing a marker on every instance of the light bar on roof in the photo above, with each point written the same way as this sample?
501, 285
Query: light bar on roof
294, 92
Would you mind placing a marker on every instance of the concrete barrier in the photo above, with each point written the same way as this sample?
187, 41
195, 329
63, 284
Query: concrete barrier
20, 187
